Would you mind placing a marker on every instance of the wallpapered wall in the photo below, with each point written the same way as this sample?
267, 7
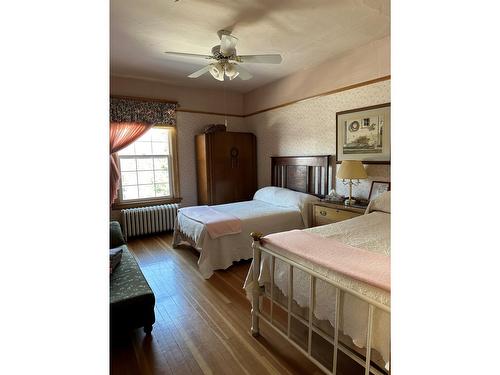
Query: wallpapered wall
304, 128
188, 125
308, 128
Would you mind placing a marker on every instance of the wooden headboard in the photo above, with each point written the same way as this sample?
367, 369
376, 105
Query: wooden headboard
307, 174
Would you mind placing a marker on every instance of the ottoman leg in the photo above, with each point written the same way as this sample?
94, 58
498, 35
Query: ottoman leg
148, 329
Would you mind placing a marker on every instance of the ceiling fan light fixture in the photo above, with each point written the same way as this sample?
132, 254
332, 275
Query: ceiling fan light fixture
227, 61
217, 71
231, 71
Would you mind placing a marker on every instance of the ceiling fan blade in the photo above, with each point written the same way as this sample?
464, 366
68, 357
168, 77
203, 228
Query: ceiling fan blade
180, 54
228, 44
264, 59
244, 74
200, 72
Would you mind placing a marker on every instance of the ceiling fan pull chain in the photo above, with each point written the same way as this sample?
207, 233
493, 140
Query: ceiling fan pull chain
225, 104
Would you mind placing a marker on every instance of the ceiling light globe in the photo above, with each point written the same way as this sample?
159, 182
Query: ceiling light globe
217, 71
231, 71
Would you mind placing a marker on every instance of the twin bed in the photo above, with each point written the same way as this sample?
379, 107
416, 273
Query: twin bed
351, 305
297, 181
272, 210
348, 287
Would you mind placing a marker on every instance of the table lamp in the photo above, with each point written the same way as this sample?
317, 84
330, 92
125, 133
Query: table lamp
351, 170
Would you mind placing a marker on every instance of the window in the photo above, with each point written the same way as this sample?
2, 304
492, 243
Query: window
146, 167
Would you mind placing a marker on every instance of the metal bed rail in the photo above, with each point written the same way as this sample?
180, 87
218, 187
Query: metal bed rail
257, 314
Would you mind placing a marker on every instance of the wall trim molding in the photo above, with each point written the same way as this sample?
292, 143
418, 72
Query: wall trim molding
180, 109
345, 88
330, 92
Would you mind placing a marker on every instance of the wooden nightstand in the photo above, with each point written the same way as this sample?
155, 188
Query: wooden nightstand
327, 213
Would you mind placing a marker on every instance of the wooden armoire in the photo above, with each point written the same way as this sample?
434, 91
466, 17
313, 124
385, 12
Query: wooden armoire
226, 167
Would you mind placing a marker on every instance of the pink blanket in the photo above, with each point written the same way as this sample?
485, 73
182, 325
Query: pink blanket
217, 223
362, 265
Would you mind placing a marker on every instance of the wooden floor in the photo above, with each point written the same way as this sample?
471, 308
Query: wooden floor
202, 326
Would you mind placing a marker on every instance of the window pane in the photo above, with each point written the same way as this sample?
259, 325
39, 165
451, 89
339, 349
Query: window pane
129, 150
159, 134
145, 137
160, 148
162, 190
129, 192
161, 176
146, 177
145, 172
161, 163
129, 178
146, 191
127, 164
145, 164
143, 148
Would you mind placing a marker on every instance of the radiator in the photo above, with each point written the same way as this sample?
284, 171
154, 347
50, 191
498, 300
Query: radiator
145, 220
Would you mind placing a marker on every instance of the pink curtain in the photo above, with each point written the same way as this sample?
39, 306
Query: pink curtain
121, 134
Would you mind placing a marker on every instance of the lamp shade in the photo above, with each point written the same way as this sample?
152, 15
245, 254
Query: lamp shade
351, 170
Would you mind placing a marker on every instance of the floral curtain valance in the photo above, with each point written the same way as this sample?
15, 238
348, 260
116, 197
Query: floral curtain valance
142, 111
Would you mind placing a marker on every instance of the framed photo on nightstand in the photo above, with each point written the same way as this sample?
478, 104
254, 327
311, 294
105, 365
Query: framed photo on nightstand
377, 188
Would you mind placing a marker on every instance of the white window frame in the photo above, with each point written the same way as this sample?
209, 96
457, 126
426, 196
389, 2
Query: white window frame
173, 181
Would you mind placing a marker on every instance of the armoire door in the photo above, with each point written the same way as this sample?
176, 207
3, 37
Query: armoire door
233, 166
245, 174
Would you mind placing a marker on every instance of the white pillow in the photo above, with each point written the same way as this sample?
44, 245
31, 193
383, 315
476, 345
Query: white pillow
266, 194
286, 198
381, 203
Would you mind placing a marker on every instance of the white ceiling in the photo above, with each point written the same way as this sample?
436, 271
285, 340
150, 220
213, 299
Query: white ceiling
305, 32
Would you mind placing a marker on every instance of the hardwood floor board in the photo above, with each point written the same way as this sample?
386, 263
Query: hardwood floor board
219, 312
122, 363
186, 326
180, 360
176, 362
245, 323
191, 353
225, 340
144, 252
151, 357
194, 305
205, 343
177, 358
232, 288
245, 312
240, 270
213, 323
202, 326
166, 343
246, 339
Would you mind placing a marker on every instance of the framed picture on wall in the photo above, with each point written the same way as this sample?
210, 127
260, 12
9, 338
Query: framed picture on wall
365, 134
377, 188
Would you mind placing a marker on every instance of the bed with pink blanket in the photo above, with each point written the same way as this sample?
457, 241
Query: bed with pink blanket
221, 233
350, 264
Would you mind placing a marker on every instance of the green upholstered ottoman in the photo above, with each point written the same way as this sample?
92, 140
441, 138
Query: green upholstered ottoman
131, 299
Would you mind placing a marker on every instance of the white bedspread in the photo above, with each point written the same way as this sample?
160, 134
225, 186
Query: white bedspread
370, 232
221, 252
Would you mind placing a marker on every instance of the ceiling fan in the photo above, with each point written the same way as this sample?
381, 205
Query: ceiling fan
227, 61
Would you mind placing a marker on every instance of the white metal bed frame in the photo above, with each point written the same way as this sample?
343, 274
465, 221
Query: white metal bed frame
258, 248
